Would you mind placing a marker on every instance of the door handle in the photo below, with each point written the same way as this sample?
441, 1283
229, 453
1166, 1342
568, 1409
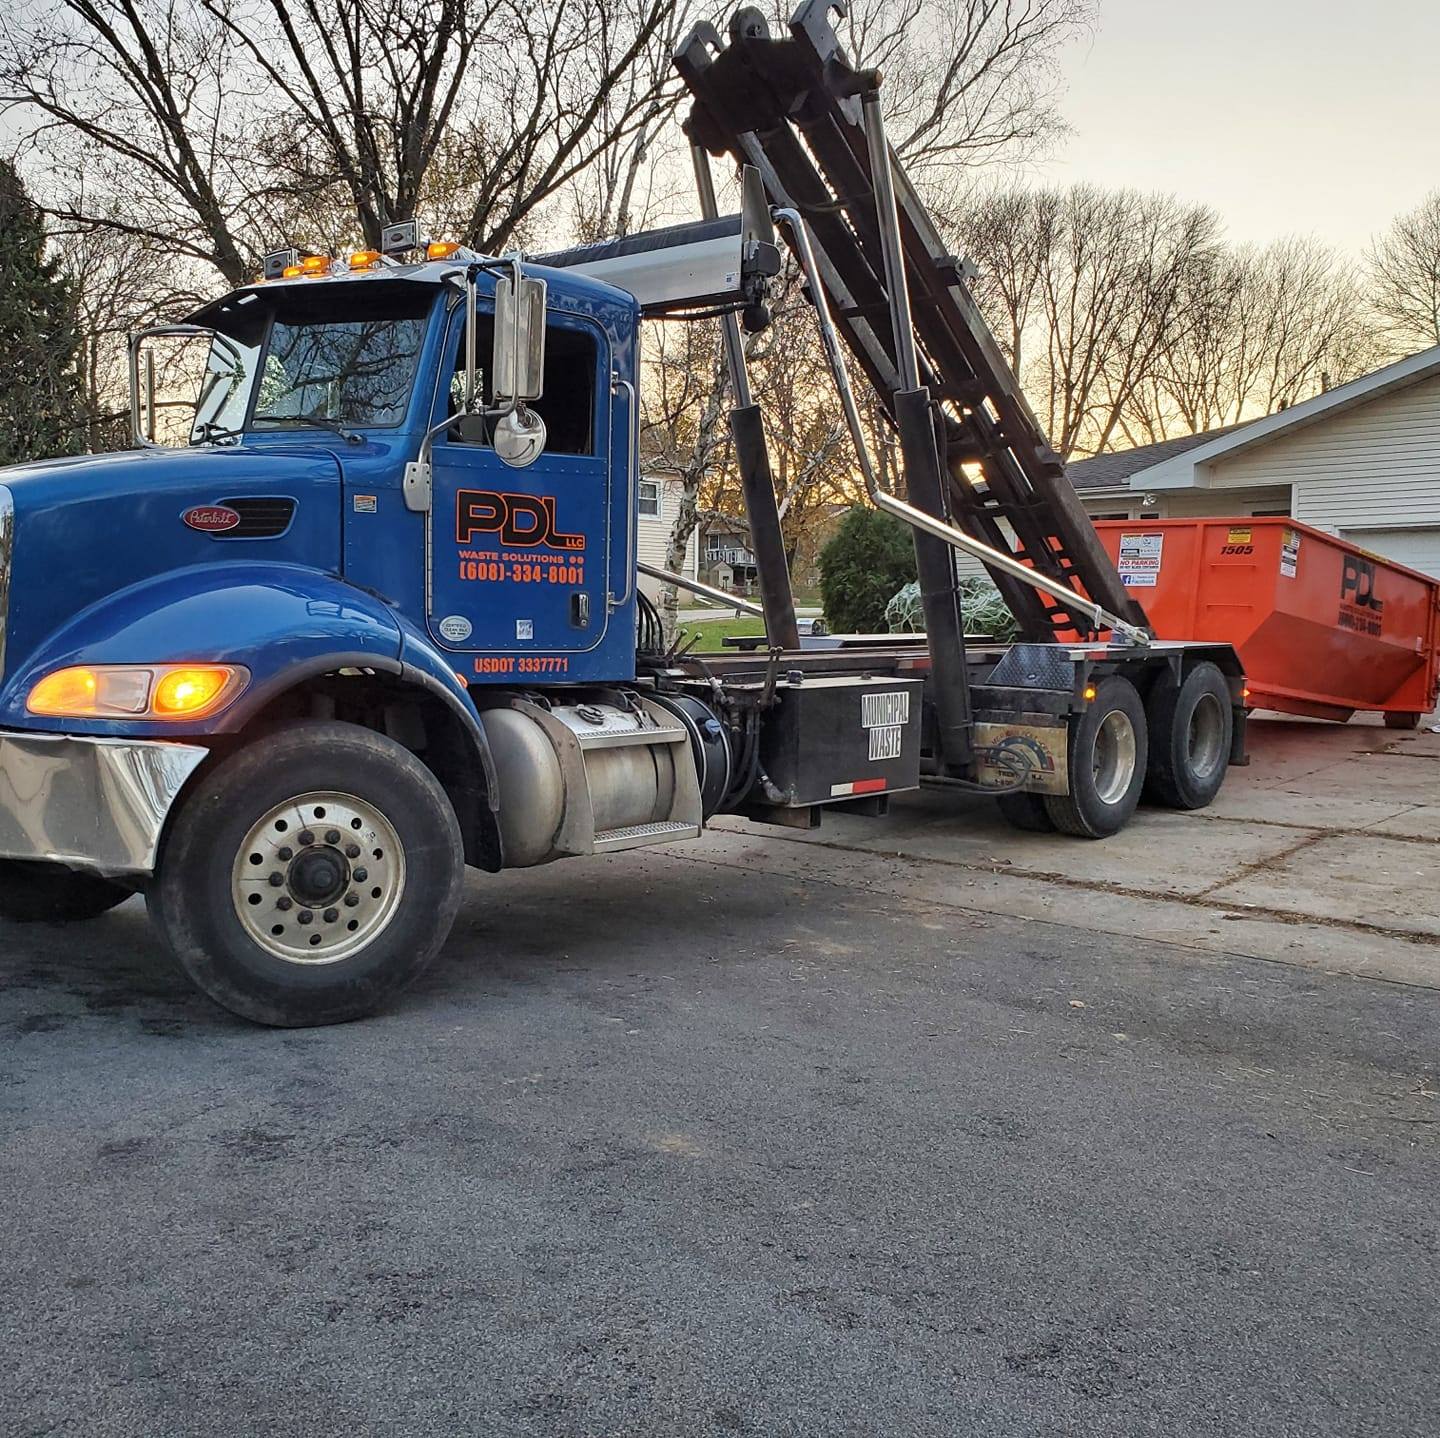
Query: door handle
580, 610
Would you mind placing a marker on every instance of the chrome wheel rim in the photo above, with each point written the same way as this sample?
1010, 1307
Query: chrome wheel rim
1204, 740
1114, 759
318, 878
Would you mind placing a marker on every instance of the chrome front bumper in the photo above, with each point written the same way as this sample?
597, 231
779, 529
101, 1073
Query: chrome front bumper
90, 803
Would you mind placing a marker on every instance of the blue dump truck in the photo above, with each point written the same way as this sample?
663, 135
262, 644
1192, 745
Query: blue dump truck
360, 608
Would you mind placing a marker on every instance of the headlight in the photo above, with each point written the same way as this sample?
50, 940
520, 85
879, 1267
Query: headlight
137, 691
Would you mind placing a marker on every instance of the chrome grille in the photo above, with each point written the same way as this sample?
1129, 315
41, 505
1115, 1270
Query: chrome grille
7, 562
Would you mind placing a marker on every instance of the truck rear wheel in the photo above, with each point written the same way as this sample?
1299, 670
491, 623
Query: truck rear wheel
1107, 752
1190, 730
39, 893
311, 876
1403, 719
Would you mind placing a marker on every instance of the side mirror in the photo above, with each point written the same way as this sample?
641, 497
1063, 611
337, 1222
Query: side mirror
519, 361
183, 381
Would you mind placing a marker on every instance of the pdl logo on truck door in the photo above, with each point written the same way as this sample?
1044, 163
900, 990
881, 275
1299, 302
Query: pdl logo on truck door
522, 521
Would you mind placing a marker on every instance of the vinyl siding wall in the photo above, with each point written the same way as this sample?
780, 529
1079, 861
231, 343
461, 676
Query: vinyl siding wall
654, 534
1369, 473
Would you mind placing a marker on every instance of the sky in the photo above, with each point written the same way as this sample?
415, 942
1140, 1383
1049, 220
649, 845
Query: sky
1287, 116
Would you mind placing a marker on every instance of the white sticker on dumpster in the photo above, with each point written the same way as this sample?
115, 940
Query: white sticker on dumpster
1140, 556
1290, 553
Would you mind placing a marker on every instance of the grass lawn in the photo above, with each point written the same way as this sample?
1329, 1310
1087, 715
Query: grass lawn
713, 631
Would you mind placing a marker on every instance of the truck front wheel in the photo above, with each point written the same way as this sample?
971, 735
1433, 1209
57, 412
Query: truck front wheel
1107, 753
311, 876
37, 893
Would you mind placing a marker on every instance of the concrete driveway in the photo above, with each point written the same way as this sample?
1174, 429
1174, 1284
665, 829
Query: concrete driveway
914, 1127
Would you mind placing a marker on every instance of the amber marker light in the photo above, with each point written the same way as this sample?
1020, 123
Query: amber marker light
1090, 691
440, 249
65, 692
364, 259
191, 693
315, 265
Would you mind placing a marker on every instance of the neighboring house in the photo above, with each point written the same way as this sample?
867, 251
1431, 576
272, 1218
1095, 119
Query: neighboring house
659, 503
727, 560
1361, 461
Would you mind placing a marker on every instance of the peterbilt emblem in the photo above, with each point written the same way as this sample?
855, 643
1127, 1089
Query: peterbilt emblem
211, 518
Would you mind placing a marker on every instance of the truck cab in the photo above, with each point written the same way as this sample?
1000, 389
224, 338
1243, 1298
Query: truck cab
331, 532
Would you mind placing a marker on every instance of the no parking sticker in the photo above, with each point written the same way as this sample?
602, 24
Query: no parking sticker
1140, 557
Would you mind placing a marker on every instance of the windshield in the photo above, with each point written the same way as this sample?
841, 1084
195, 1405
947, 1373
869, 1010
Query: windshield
326, 355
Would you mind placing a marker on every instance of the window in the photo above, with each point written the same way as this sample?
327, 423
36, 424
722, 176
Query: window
1271, 513
650, 498
1113, 514
357, 370
568, 404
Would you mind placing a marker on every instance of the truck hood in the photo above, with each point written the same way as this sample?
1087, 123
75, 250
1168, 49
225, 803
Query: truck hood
86, 528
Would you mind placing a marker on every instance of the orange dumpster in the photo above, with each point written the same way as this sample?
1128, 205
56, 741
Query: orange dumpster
1323, 627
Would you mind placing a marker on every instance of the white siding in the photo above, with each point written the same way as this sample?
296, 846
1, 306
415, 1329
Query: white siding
654, 534
1371, 474
1377, 465
1417, 548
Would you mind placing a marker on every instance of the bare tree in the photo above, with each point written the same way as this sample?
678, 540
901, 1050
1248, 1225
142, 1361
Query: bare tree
191, 118
119, 285
1405, 277
967, 82
1266, 328
1091, 287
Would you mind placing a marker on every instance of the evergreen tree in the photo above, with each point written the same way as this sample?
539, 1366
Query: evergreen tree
40, 405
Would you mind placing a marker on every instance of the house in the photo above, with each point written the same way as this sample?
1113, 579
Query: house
728, 562
1361, 461
658, 502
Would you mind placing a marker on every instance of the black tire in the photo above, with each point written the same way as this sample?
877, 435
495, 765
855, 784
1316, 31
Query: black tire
1027, 811
39, 893
1403, 719
228, 820
1191, 726
1107, 754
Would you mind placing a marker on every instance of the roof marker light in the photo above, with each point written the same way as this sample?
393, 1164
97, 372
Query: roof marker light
364, 259
440, 249
315, 265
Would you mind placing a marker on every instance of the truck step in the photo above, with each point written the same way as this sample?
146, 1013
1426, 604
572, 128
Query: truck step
636, 836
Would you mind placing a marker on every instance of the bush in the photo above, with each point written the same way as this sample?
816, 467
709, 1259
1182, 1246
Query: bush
870, 557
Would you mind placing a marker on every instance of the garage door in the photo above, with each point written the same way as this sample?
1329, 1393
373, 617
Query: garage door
1419, 548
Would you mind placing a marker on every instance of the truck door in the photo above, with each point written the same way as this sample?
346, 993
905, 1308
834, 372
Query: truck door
519, 556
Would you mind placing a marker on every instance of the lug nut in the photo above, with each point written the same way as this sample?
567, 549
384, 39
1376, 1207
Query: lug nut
276, 880
331, 915
332, 836
306, 917
351, 900
352, 851
285, 903
361, 875
307, 838
286, 854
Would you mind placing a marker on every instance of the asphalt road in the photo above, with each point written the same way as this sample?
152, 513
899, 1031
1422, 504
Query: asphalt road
660, 1148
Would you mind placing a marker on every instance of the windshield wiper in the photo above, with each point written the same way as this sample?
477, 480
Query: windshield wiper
299, 421
208, 431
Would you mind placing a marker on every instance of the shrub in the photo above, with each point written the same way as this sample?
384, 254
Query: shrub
870, 557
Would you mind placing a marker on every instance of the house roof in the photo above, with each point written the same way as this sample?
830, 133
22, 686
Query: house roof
1112, 470
1184, 463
